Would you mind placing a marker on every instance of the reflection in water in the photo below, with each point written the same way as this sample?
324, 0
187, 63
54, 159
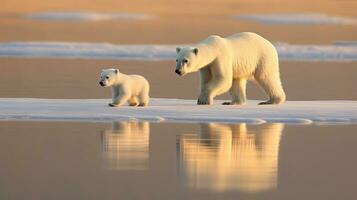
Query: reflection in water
230, 157
126, 146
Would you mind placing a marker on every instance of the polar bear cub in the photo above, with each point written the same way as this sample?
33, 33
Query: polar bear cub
133, 89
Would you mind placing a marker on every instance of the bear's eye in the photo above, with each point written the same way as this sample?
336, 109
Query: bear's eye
107, 77
185, 61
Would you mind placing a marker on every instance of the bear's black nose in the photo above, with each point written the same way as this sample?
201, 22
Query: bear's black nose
178, 72
101, 83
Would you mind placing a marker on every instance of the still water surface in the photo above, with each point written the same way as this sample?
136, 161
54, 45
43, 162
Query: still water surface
142, 160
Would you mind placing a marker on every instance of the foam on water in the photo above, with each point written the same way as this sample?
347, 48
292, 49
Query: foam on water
86, 16
86, 50
335, 52
297, 18
339, 51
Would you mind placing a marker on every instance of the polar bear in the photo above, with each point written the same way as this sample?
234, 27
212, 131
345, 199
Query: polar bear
227, 63
133, 89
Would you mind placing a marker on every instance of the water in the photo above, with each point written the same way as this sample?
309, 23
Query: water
142, 160
59, 78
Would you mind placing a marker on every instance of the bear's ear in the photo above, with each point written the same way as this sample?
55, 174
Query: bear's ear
178, 49
195, 51
116, 71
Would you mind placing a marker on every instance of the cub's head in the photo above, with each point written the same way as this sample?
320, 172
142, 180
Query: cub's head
186, 60
108, 77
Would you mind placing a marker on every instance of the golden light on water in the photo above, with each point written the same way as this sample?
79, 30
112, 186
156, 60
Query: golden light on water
230, 157
126, 146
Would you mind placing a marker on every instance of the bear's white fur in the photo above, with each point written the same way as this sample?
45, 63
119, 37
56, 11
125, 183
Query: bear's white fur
133, 89
227, 63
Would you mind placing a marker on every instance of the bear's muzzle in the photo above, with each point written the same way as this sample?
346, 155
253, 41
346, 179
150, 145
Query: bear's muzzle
178, 72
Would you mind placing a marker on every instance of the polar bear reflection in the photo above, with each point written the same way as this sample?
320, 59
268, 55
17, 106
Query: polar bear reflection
126, 146
231, 157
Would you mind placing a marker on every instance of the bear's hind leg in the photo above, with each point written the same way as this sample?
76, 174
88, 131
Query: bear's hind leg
272, 86
143, 100
133, 101
238, 92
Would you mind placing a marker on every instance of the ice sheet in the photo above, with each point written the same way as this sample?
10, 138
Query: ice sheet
178, 110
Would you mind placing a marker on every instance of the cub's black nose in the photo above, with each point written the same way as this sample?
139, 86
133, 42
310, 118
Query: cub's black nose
101, 83
178, 72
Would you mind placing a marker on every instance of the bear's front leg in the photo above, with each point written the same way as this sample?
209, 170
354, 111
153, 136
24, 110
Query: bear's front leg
115, 95
204, 99
213, 88
119, 100
205, 77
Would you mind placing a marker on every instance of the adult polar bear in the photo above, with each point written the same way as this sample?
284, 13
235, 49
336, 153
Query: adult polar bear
227, 63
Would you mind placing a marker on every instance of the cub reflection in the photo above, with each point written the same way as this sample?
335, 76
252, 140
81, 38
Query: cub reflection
231, 157
126, 146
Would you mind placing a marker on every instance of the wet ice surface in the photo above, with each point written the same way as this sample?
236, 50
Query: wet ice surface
339, 51
142, 160
178, 110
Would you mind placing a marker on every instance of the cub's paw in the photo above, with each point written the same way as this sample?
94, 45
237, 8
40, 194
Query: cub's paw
133, 104
266, 103
143, 104
113, 105
232, 103
229, 103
